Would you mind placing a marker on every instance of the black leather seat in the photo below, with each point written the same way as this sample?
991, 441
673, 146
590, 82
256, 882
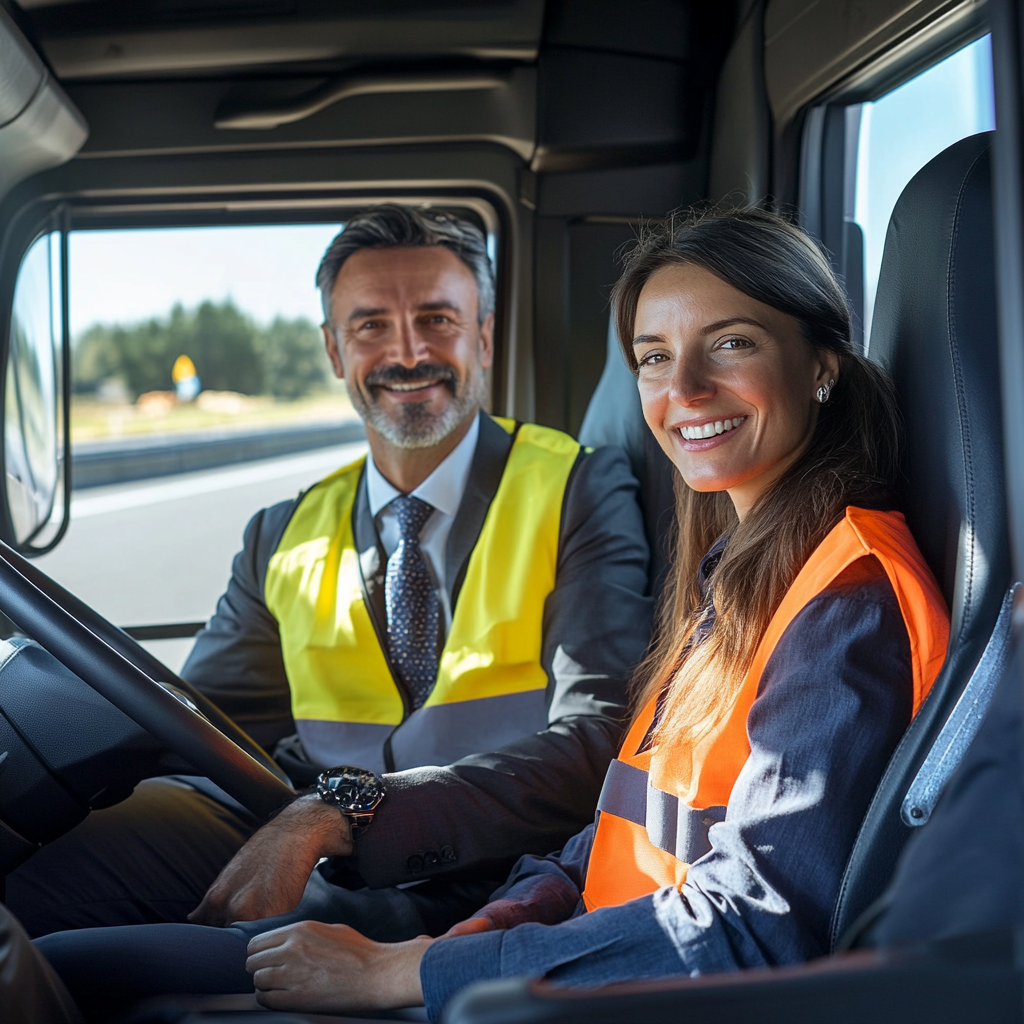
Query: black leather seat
935, 331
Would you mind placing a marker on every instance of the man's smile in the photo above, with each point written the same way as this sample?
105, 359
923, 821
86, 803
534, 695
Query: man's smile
406, 386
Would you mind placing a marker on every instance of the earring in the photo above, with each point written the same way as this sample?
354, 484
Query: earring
825, 390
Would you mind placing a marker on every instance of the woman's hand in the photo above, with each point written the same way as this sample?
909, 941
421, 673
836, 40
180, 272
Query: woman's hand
331, 968
471, 926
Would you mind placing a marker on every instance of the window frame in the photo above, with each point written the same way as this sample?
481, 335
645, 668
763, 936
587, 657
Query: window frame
231, 206
827, 160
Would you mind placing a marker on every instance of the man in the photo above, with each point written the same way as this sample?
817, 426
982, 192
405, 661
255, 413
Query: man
473, 595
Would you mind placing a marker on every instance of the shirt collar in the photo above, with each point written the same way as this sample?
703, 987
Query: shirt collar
443, 488
709, 563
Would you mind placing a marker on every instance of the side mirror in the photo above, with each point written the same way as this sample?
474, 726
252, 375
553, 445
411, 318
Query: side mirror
36, 502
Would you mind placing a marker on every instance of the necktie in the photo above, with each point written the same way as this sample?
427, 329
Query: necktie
411, 602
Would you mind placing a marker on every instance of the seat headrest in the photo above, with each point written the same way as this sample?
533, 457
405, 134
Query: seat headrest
935, 331
614, 416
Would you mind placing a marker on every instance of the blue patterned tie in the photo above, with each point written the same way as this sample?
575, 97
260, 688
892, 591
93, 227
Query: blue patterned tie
411, 602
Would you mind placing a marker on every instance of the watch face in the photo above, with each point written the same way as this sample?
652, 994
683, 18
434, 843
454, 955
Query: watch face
352, 789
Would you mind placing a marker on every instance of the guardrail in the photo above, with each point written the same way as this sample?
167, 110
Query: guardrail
138, 458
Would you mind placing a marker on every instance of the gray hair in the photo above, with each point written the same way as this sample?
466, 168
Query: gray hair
388, 226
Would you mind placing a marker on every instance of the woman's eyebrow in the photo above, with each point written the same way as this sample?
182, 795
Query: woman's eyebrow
719, 325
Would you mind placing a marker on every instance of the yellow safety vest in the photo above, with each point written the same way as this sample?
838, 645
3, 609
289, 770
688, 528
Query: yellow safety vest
491, 687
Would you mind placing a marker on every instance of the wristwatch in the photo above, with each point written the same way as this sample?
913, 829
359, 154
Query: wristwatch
354, 791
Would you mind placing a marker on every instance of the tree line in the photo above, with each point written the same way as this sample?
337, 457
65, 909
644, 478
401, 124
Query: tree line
285, 359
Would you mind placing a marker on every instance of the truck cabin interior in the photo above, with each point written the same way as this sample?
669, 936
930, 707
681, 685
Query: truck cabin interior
560, 127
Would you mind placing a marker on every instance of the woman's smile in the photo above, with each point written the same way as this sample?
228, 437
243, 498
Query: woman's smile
704, 434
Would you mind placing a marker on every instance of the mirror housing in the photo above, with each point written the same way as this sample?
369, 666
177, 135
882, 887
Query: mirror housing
36, 451
39, 128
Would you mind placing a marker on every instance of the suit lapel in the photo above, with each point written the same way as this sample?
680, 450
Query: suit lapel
488, 465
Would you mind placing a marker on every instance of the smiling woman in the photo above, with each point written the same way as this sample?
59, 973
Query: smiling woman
739, 316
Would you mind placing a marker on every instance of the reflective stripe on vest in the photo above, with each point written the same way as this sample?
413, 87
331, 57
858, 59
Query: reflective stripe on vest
491, 686
658, 806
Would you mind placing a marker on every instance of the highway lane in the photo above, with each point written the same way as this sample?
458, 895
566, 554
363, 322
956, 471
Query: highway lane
160, 551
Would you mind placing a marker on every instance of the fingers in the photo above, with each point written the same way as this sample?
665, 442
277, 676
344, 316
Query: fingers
272, 939
331, 968
471, 926
274, 999
269, 979
222, 906
296, 967
209, 912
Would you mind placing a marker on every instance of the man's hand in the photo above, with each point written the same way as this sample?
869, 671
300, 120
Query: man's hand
331, 968
268, 875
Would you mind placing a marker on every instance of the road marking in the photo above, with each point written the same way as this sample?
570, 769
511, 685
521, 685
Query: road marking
212, 480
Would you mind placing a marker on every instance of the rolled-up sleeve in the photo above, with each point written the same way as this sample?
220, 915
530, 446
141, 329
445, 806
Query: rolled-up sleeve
834, 699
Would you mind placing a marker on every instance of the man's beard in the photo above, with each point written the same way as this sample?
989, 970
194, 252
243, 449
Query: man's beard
414, 426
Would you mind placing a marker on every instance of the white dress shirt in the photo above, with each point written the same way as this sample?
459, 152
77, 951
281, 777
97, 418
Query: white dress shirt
443, 489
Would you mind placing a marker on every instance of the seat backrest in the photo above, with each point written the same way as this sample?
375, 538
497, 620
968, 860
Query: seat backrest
614, 416
935, 331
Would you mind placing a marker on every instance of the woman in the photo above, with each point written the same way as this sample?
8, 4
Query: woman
800, 633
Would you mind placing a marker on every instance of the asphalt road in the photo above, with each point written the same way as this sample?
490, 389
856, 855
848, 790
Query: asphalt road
160, 551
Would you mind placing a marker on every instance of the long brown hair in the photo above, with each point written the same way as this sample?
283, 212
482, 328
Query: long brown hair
852, 459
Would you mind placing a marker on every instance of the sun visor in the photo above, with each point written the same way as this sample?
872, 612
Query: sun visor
39, 126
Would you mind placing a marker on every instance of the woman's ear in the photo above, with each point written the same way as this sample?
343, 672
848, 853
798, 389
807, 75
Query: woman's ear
828, 372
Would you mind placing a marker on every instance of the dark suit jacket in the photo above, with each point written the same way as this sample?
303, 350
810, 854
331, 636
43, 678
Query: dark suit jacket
481, 813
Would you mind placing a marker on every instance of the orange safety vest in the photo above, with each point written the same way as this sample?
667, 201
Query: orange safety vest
658, 805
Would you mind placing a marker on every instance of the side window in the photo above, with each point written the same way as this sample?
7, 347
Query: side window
858, 157
901, 131
201, 393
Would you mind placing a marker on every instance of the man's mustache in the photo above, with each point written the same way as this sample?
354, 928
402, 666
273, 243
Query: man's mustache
397, 374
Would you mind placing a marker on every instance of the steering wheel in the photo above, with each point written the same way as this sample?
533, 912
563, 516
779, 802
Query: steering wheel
139, 685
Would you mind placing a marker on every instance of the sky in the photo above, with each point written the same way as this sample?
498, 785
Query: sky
903, 130
130, 275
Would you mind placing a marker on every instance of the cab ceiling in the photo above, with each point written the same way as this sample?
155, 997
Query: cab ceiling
566, 85
113, 38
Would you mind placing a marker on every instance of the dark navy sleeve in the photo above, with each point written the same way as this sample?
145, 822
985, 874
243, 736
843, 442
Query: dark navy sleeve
834, 699
545, 890
236, 660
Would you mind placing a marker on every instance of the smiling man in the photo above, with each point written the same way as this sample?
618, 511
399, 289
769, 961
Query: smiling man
437, 638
